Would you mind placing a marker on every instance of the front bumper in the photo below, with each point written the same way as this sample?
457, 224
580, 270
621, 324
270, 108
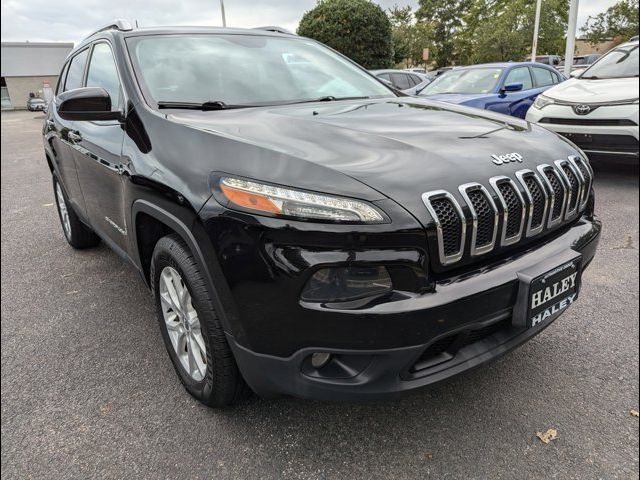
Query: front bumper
482, 311
606, 131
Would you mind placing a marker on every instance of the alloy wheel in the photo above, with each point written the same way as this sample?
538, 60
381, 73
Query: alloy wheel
182, 323
64, 212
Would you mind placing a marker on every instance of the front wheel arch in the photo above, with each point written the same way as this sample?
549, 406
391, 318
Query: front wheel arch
151, 223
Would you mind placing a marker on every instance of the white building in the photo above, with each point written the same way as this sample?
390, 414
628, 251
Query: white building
26, 66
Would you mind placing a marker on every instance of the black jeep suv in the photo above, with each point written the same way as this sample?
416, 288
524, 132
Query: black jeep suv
305, 229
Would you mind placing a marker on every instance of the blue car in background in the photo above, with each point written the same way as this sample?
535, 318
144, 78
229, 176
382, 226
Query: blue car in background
509, 87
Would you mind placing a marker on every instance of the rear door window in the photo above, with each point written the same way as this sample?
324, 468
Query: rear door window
75, 72
542, 76
400, 81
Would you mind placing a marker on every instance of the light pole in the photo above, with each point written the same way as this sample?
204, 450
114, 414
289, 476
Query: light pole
536, 29
224, 17
571, 37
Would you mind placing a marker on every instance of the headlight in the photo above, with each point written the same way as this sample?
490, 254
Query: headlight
542, 101
272, 200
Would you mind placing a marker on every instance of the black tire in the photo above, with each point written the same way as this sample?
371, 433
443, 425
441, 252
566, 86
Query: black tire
222, 384
79, 235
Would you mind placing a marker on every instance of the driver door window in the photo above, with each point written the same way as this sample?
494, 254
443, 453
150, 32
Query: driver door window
520, 75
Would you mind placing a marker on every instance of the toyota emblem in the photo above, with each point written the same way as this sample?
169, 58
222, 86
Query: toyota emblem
582, 109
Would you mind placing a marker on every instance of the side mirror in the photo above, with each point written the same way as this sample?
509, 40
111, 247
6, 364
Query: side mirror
575, 73
88, 103
556, 61
512, 87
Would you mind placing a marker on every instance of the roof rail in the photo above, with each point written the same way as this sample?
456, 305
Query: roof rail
118, 24
272, 28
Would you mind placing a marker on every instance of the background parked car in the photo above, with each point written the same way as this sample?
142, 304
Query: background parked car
580, 63
416, 70
552, 60
508, 88
407, 82
598, 110
35, 104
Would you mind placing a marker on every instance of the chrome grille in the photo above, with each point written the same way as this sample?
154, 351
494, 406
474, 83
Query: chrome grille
484, 216
536, 199
510, 210
557, 194
450, 224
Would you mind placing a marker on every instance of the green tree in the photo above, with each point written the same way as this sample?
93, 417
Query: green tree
446, 20
401, 19
358, 29
410, 38
619, 21
501, 30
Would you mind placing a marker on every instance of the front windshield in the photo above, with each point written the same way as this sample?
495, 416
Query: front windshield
477, 80
618, 63
245, 70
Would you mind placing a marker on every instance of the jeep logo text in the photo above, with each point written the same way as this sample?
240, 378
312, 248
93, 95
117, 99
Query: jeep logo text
507, 158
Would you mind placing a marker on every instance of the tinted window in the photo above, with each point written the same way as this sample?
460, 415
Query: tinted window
103, 73
76, 71
61, 78
400, 81
245, 69
416, 79
520, 75
543, 77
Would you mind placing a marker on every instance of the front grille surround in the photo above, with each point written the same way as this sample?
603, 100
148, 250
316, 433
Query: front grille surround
555, 201
533, 205
509, 210
472, 188
446, 258
505, 238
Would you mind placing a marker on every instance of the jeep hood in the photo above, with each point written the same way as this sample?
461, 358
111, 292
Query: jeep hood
399, 147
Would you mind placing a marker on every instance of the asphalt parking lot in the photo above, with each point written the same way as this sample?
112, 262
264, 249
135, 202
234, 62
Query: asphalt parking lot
88, 390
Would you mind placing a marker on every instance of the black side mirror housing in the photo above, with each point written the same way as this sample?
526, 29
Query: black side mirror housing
86, 104
512, 87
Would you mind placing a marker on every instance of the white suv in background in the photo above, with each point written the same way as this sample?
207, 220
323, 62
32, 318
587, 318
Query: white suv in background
598, 110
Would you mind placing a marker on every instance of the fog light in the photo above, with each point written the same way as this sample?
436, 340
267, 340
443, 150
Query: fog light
320, 359
343, 284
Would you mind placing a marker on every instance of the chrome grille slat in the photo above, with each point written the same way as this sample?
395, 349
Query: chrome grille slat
485, 225
443, 231
536, 206
586, 175
557, 194
497, 183
572, 179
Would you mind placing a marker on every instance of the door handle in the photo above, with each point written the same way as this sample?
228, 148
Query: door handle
75, 136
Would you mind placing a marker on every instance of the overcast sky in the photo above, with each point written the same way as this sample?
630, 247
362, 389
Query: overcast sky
71, 20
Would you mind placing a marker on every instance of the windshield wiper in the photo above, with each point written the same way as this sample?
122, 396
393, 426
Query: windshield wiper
328, 98
205, 106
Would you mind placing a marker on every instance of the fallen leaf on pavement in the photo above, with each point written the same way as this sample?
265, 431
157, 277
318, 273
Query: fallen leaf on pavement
634, 413
547, 436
